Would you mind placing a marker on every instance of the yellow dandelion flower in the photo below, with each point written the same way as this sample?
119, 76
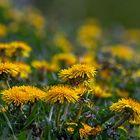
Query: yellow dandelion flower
133, 35
34, 92
44, 65
63, 43
67, 58
136, 74
100, 93
20, 95
3, 30
129, 106
21, 48
89, 59
24, 69
60, 94
71, 127
88, 34
81, 71
80, 90
121, 51
9, 69
40, 64
122, 93
88, 130
15, 96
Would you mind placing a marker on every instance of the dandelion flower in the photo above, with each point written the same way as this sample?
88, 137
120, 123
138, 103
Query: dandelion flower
9, 69
88, 130
62, 42
67, 58
100, 93
24, 69
20, 95
60, 94
88, 34
77, 71
129, 106
121, 51
21, 48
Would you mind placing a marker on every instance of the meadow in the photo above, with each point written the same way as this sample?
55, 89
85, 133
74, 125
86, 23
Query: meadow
75, 82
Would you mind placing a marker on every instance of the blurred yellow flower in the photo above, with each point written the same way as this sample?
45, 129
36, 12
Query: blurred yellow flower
129, 106
121, 51
80, 90
60, 94
100, 92
24, 69
3, 30
66, 58
76, 71
9, 69
88, 34
63, 43
136, 74
89, 59
44, 65
20, 48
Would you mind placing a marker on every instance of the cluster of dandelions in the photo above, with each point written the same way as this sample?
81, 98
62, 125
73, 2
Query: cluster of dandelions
69, 92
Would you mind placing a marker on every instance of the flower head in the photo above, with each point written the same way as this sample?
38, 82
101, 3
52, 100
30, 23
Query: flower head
60, 94
62, 42
67, 58
130, 106
9, 69
20, 48
77, 71
100, 93
89, 33
121, 51
88, 130
22, 95
24, 69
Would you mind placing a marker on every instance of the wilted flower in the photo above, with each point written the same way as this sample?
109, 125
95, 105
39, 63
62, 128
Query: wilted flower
89, 131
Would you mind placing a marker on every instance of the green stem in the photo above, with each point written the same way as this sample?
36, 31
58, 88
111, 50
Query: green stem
7, 83
58, 116
125, 117
79, 112
50, 114
66, 111
10, 126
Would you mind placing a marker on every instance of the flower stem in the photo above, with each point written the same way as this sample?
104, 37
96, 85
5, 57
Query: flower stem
50, 114
58, 116
7, 83
79, 112
125, 117
66, 111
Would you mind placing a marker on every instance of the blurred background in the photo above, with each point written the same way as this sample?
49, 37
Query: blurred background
108, 12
